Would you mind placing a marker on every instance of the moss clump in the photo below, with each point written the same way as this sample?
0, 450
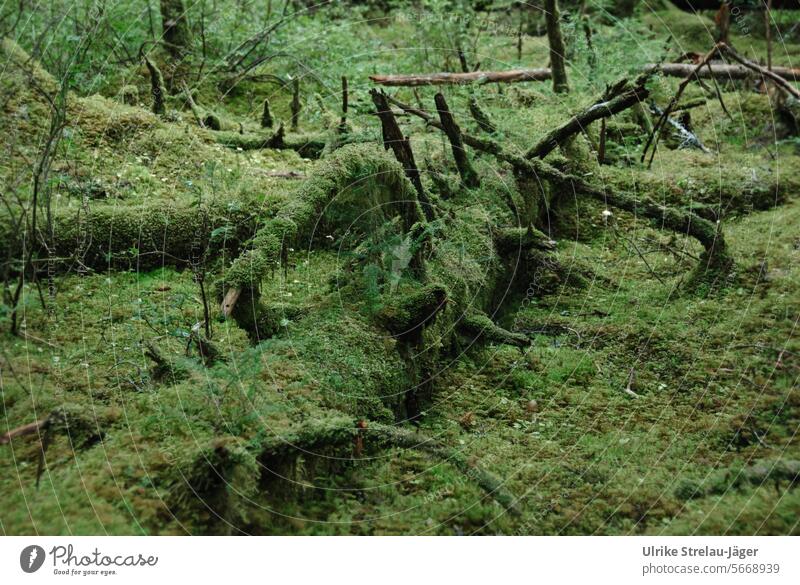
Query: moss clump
371, 173
101, 119
129, 95
407, 315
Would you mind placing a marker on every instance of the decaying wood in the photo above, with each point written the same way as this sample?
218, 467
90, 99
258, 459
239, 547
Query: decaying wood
295, 120
718, 70
312, 436
266, 115
481, 117
617, 98
393, 138
229, 301
343, 121
453, 132
601, 148
478, 326
198, 115
768, 30
673, 219
714, 69
775, 75
23, 430
480, 77
687, 137
157, 87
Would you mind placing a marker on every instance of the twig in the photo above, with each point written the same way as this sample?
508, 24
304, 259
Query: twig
654, 135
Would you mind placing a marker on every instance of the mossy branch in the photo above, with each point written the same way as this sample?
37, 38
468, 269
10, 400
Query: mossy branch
343, 432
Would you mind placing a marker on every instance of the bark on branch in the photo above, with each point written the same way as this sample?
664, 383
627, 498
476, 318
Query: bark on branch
468, 174
393, 138
713, 70
618, 98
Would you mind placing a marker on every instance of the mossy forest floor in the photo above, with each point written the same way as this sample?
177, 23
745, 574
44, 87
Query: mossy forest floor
642, 405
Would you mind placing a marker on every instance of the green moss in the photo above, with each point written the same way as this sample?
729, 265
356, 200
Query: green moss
372, 174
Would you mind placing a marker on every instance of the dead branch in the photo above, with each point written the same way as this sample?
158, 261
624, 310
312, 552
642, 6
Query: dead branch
24, 430
453, 132
393, 138
481, 117
480, 77
683, 222
774, 75
716, 70
688, 138
617, 98
157, 87
655, 134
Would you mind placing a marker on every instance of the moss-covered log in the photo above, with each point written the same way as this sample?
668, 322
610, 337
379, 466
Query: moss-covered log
219, 482
479, 326
344, 431
143, 237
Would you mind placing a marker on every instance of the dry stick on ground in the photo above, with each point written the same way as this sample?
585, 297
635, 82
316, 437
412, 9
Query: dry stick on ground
718, 70
654, 135
27, 429
557, 50
682, 222
773, 75
617, 98
512, 76
714, 70
453, 132
393, 138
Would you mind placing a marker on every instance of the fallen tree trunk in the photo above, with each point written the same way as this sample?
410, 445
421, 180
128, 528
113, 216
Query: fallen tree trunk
27, 429
717, 70
144, 237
